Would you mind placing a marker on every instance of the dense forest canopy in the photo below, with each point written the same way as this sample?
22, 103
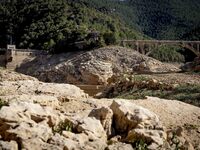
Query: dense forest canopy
63, 25
160, 19
59, 25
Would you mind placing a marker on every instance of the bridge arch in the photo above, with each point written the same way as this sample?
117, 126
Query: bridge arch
140, 45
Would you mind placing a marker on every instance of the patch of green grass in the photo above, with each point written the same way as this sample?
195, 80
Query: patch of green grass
140, 145
175, 141
188, 89
63, 126
139, 78
3, 103
186, 93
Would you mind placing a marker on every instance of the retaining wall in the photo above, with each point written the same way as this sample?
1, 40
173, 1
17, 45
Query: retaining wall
14, 58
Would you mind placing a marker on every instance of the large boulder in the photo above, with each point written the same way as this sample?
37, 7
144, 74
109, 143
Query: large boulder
26, 123
12, 145
6, 75
91, 72
48, 94
137, 123
93, 67
105, 115
122, 125
120, 146
39, 88
32, 126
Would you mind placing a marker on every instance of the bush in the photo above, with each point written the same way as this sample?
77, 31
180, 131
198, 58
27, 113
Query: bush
3, 103
110, 38
140, 145
63, 126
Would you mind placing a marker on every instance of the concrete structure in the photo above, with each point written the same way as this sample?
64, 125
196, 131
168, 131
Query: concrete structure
13, 58
2, 57
146, 46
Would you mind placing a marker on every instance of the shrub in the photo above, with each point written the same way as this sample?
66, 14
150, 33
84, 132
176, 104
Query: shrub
63, 126
167, 54
3, 103
110, 38
140, 145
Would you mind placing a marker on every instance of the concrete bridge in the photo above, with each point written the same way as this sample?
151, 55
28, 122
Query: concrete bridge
147, 46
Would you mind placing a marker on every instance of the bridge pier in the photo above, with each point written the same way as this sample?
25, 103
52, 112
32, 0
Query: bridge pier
198, 48
156, 45
137, 46
142, 48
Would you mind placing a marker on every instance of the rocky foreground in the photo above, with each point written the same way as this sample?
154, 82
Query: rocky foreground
93, 67
37, 115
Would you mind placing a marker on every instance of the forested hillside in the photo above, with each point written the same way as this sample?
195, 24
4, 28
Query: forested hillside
59, 25
168, 19
160, 19
84, 24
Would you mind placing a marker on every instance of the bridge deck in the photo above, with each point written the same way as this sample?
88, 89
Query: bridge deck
162, 41
193, 46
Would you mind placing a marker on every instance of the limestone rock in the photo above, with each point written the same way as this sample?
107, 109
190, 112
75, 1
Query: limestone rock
39, 144
89, 135
64, 143
31, 126
37, 91
131, 116
92, 127
137, 122
177, 138
95, 72
6, 75
12, 145
39, 88
93, 67
105, 115
152, 65
25, 131
43, 100
120, 146
156, 138
24, 111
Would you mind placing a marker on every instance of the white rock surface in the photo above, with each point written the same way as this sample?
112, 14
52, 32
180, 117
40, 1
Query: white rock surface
137, 123
105, 115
